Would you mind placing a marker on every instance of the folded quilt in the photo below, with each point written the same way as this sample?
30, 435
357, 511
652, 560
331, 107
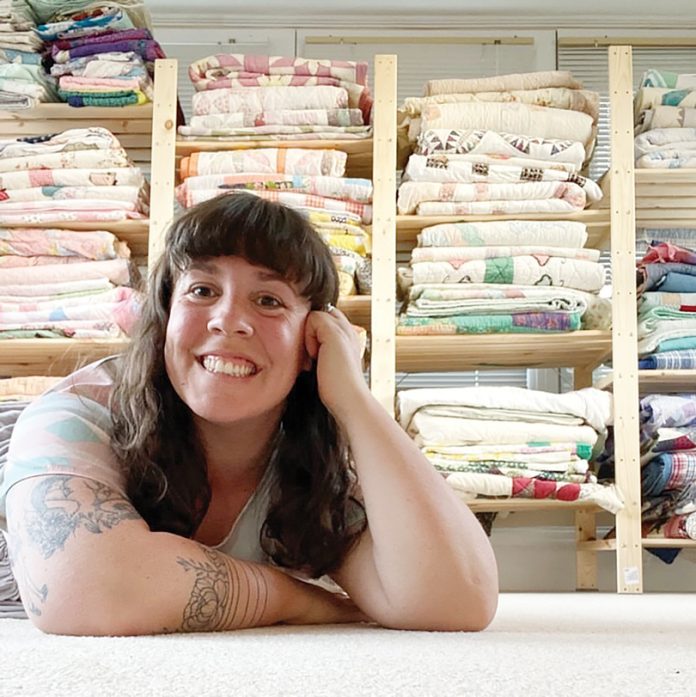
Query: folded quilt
652, 97
511, 468
651, 342
669, 360
68, 159
428, 429
359, 190
72, 215
117, 176
520, 197
112, 99
115, 270
445, 168
209, 69
303, 161
667, 252
48, 290
74, 329
686, 302
664, 78
73, 139
258, 100
64, 304
556, 97
681, 527
287, 198
659, 139
275, 131
148, 49
563, 233
456, 255
666, 117
662, 410
668, 471
41, 241
41, 194
667, 159
506, 145
443, 300
667, 277
278, 117
588, 405
473, 485
534, 121
501, 83
11, 101
525, 270
517, 323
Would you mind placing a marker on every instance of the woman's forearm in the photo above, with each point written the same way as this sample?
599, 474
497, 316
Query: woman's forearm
429, 550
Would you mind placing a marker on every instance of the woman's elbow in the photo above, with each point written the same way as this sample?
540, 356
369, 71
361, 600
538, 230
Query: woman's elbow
467, 611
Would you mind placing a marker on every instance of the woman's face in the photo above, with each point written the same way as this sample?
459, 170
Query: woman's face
235, 340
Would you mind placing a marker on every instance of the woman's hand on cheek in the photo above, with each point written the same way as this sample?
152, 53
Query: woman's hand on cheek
333, 342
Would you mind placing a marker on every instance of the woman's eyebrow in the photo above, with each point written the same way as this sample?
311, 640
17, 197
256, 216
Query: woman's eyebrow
273, 276
201, 265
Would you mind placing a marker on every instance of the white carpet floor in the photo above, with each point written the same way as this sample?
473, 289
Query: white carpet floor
539, 644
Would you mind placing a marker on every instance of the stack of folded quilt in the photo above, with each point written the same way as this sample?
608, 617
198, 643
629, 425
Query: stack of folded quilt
15, 395
667, 307
500, 145
65, 284
79, 175
512, 442
309, 180
503, 276
668, 474
23, 80
101, 55
665, 120
250, 98
247, 97
668, 467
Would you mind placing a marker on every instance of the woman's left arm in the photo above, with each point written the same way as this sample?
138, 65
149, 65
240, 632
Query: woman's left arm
424, 561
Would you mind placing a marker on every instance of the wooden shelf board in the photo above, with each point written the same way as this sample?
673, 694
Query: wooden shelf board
22, 357
62, 110
668, 542
658, 381
597, 221
358, 309
647, 177
483, 505
480, 351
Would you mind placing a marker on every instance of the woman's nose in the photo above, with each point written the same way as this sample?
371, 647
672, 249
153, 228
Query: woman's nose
229, 318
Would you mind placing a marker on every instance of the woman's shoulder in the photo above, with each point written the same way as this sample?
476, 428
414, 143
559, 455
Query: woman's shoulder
93, 382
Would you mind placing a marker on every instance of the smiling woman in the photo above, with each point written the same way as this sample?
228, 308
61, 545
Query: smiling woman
233, 450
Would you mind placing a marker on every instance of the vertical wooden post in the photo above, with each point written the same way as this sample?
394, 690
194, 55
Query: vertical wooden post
383, 355
163, 156
585, 520
625, 343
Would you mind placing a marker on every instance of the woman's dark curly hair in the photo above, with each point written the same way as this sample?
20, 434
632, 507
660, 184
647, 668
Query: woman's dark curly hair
308, 525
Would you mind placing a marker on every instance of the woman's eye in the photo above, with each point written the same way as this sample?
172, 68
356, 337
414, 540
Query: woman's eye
269, 301
200, 291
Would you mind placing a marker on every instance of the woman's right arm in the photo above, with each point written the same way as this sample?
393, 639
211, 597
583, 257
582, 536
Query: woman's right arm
87, 564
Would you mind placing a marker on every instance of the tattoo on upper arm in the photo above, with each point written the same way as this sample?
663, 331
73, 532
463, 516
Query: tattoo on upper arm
52, 516
226, 594
56, 513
